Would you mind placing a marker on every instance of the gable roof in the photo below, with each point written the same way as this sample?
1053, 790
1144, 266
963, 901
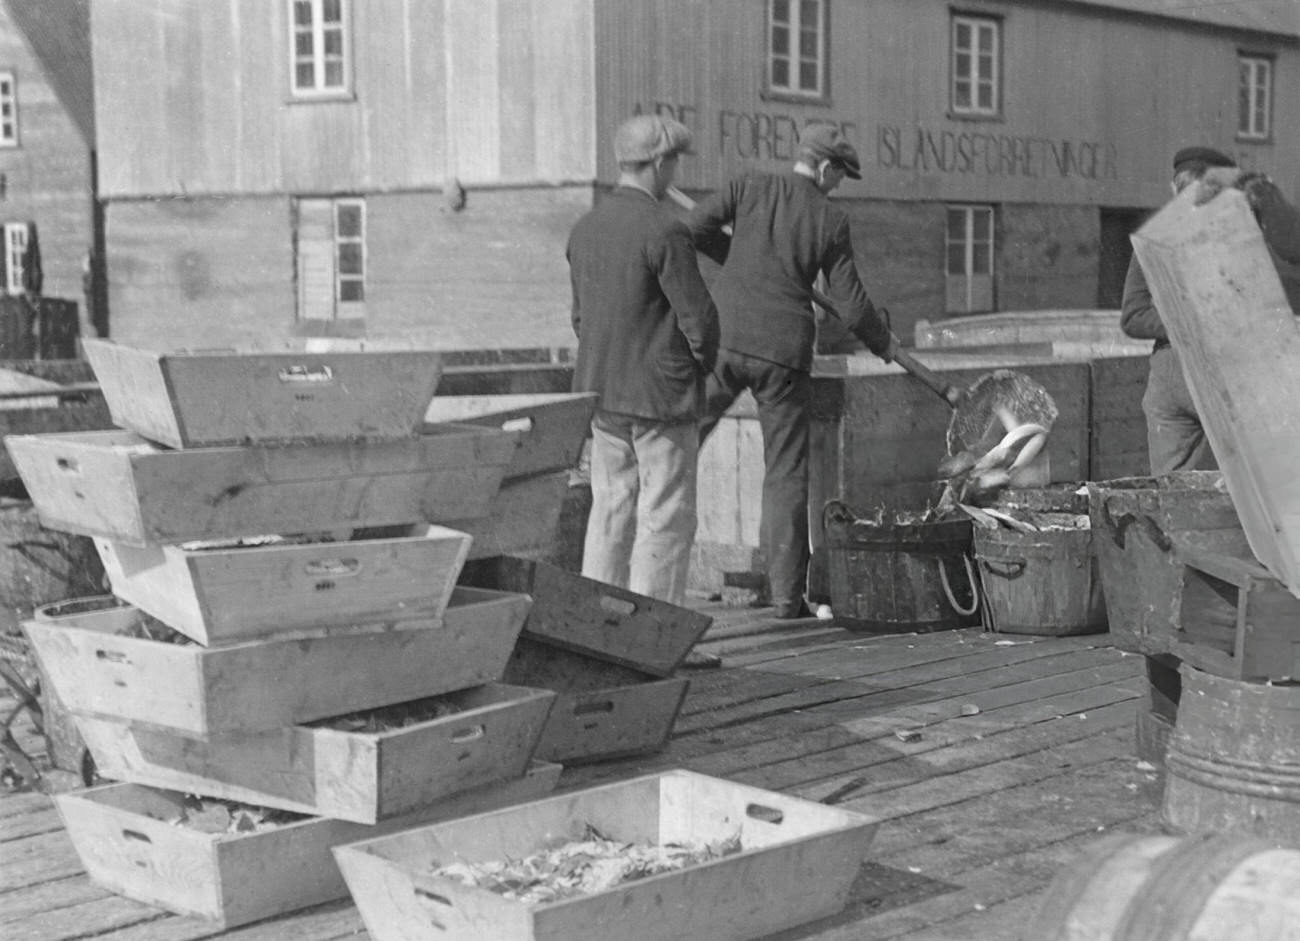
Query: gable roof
1277, 17
58, 32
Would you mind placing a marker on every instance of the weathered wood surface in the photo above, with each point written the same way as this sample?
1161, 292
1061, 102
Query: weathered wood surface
979, 813
1222, 302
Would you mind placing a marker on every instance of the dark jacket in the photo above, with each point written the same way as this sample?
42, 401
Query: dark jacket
785, 232
647, 328
1280, 223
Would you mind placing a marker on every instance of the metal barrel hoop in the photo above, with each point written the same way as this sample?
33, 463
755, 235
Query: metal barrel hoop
970, 579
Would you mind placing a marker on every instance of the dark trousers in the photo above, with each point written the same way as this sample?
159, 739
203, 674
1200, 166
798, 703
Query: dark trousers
783, 396
1175, 437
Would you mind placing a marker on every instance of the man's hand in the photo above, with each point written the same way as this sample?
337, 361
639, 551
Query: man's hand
892, 350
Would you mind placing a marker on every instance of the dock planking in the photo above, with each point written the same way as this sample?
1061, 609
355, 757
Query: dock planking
978, 813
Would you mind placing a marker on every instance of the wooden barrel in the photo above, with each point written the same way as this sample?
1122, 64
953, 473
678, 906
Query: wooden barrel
898, 575
1164, 888
1234, 758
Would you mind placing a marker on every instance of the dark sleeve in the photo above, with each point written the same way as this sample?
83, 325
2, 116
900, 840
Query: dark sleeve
1279, 220
710, 215
1138, 317
575, 312
680, 280
845, 290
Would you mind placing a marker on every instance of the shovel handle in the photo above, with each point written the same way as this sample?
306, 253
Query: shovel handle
949, 393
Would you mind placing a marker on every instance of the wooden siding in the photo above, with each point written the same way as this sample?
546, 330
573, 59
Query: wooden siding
1120, 92
219, 272
197, 96
47, 177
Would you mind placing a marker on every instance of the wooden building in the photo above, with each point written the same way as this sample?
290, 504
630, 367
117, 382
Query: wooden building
47, 140
395, 167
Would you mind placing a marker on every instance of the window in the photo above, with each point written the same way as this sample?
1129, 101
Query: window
8, 110
1254, 97
331, 259
796, 62
319, 48
970, 259
15, 256
975, 66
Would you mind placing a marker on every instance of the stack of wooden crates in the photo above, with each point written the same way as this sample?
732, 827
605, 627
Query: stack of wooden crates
264, 519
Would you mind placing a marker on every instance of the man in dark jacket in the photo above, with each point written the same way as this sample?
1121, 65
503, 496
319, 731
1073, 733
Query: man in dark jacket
647, 336
785, 233
1175, 437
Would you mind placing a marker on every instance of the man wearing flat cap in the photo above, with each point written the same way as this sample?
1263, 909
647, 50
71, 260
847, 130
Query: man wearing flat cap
1175, 437
647, 336
785, 233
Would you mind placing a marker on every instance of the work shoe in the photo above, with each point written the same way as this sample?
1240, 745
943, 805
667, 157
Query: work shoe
793, 612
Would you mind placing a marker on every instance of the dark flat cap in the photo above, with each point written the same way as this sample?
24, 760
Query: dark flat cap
1206, 155
825, 142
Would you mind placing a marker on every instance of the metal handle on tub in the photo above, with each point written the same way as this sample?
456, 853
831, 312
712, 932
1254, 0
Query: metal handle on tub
332, 567
305, 373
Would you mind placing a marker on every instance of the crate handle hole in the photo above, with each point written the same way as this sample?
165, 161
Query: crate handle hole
524, 424
333, 567
137, 836
618, 606
112, 656
69, 465
592, 707
764, 813
304, 373
468, 735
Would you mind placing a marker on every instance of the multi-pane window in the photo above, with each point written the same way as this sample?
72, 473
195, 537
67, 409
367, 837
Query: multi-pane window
15, 259
1254, 96
319, 51
8, 110
975, 65
797, 47
331, 258
970, 259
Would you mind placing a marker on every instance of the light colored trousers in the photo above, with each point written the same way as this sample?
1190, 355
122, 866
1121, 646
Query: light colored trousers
642, 521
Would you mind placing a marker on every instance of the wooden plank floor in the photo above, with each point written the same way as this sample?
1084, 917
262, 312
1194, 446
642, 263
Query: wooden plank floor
1024, 756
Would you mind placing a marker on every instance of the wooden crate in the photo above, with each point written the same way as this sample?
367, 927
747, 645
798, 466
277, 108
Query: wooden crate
1237, 620
797, 863
194, 399
594, 618
207, 693
523, 519
603, 710
217, 594
554, 426
121, 834
116, 485
324, 771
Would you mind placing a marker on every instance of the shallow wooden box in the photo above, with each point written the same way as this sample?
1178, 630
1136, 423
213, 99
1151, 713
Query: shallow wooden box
205, 398
220, 594
591, 617
797, 862
208, 693
523, 520
123, 840
603, 710
117, 485
314, 769
554, 425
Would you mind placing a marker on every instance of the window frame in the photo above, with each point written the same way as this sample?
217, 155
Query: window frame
319, 90
9, 123
15, 249
318, 243
973, 111
1253, 89
968, 242
340, 240
791, 90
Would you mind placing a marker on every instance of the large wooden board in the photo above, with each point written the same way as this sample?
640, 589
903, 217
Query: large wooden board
1227, 315
124, 837
259, 685
329, 771
117, 485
